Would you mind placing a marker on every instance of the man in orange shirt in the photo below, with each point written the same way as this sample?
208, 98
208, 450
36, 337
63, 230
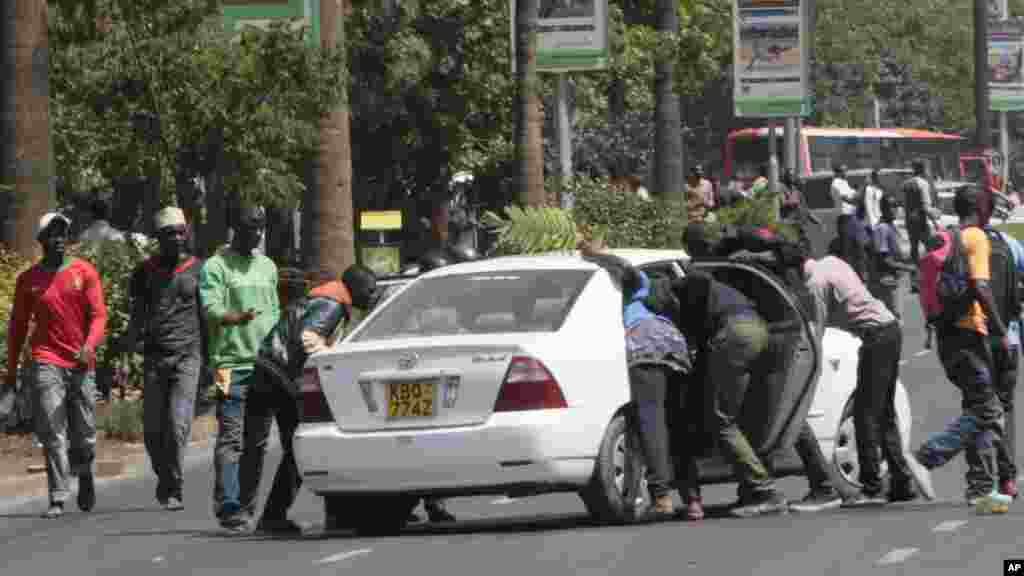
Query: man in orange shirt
966, 356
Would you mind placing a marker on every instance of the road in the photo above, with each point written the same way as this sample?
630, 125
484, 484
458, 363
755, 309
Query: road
128, 534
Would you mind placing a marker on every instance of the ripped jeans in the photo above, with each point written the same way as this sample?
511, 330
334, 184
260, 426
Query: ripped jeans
967, 359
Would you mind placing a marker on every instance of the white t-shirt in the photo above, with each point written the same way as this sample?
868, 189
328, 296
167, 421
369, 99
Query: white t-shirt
873, 205
841, 189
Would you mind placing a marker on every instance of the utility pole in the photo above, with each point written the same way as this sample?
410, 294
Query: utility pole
669, 180
26, 149
330, 242
983, 129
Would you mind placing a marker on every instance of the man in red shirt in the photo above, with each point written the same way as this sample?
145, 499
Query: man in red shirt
65, 298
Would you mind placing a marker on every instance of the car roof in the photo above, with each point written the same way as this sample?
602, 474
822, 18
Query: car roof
558, 261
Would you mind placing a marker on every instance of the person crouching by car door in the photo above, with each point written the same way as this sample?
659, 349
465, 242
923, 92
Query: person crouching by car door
656, 352
307, 325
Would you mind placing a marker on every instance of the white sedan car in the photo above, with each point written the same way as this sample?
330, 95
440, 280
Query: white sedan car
508, 376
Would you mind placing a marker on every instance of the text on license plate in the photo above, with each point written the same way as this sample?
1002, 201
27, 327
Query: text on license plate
410, 399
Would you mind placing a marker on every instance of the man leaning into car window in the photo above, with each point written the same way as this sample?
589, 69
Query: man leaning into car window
842, 300
656, 352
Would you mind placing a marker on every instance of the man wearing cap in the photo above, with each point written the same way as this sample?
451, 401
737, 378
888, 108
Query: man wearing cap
239, 295
166, 319
64, 297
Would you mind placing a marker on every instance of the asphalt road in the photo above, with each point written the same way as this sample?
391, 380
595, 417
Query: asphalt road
128, 534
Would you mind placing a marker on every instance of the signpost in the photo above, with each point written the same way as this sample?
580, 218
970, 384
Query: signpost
239, 14
1005, 75
572, 35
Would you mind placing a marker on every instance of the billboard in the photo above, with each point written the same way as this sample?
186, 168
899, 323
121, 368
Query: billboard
770, 58
571, 35
238, 14
1006, 65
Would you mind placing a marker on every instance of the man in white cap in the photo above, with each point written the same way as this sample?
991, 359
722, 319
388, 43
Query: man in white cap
166, 320
64, 297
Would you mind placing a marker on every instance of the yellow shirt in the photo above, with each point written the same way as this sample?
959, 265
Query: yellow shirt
977, 251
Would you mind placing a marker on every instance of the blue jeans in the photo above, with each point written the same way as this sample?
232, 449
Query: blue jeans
65, 422
228, 450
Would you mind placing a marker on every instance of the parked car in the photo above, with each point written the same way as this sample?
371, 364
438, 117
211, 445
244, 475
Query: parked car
508, 377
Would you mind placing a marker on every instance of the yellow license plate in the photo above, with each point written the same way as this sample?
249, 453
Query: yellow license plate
410, 399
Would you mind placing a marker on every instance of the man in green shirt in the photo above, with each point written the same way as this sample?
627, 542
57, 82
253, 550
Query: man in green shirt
238, 290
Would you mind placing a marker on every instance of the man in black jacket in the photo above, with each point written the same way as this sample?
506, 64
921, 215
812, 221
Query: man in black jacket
309, 324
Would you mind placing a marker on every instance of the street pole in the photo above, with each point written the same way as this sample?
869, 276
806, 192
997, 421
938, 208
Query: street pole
790, 139
983, 129
564, 139
1004, 130
773, 159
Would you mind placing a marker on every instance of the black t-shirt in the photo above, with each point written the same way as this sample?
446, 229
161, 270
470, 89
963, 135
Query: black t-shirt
704, 303
166, 302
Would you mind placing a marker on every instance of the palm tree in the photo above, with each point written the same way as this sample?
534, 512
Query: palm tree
529, 119
26, 151
668, 147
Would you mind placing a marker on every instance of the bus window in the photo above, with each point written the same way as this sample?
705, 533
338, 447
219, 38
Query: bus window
749, 154
828, 152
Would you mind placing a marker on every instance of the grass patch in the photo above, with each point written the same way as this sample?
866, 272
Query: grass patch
1015, 230
123, 421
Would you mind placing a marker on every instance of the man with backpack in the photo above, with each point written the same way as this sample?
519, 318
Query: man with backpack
957, 297
917, 200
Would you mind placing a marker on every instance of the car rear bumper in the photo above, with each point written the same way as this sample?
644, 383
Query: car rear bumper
545, 448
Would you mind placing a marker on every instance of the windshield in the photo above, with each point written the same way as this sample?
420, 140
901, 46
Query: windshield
828, 152
750, 154
482, 303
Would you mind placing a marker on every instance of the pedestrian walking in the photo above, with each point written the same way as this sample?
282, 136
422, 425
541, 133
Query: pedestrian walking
698, 190
64, 297
889, 266
917, 202
238, 291
842, 300
962, 319
166, 319
308, 324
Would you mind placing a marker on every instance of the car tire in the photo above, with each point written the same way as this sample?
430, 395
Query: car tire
845, 467
617, 482
368, 515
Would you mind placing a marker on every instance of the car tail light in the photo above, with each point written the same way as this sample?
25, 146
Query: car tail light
314, 403
528, 385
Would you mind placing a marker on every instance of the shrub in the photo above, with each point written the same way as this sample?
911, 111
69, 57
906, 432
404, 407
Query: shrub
11, 265
629, 221
532, 230
124, 421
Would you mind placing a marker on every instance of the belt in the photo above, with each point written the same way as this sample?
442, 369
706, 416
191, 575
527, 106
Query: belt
877, 332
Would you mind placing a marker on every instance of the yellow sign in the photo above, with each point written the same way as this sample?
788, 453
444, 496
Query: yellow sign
381, 220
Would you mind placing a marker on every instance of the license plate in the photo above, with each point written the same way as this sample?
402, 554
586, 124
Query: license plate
411, 399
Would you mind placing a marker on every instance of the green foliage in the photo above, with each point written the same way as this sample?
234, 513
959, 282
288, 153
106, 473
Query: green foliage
630, 221
115, 262
532, 230
165, 93
11, 265
124, 422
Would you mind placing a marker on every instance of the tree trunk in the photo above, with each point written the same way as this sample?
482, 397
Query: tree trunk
668, 147
331, 241
26, 149
529, 119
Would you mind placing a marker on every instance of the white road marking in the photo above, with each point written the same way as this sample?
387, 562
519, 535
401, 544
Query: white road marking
158, 559
949, 526
903, 362
505, 500
897, 556
921, 353
343, 556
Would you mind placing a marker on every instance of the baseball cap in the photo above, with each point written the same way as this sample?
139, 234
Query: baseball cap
47, 220
169, 216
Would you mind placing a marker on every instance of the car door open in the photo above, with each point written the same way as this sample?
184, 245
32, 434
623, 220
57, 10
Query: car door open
785, 379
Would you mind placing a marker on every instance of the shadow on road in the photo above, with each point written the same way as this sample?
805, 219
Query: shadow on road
71, 512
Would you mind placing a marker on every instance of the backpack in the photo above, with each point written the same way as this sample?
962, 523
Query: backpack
945, 290
1005, 279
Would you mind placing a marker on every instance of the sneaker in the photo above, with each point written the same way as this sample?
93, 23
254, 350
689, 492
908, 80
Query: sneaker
438, 514
173, 504
235, 523
56, 510
922, 476
695, 510
282, 527
662, 506
994, 503
906, 493
86, 492
865, 500
413, 518
1008, 487
760, 504
817, 501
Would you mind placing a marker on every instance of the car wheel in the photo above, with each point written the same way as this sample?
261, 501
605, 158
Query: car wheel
845, 462
368, 515
617, 489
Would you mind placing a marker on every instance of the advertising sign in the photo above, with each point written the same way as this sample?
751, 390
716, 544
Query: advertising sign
1006, 65
571, 35
769, 63
239, 14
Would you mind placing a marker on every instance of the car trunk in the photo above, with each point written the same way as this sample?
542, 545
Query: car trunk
418, 383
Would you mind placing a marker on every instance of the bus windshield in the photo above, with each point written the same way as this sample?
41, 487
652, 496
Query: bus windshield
941, 156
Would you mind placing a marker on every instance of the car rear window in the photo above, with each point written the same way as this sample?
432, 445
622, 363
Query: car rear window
482, 303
